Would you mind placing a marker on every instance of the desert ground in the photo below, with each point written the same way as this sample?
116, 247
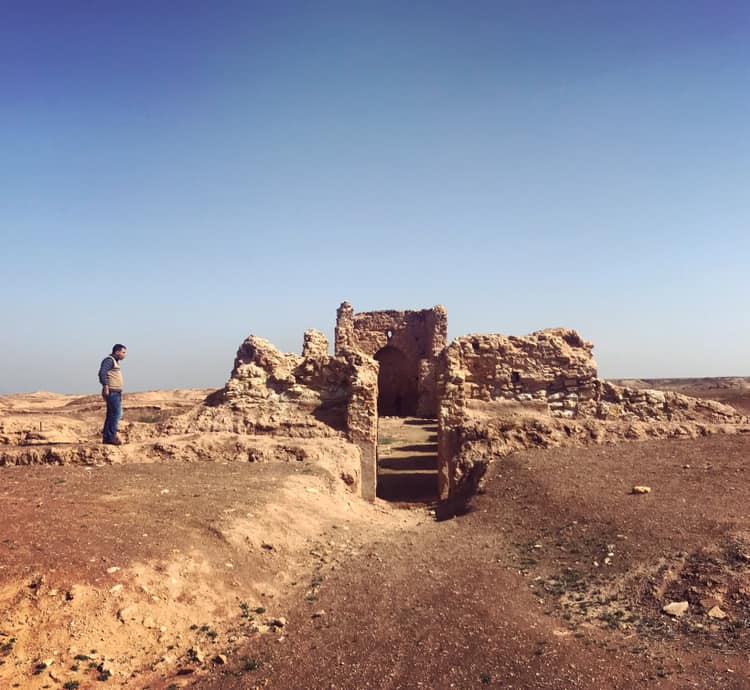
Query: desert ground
234, 570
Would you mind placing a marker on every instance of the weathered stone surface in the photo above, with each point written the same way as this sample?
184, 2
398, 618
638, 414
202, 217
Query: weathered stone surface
315, 344
282, 395
676, 609
503, 393
407, 345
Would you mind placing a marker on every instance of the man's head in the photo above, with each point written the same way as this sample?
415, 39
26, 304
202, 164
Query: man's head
119, 351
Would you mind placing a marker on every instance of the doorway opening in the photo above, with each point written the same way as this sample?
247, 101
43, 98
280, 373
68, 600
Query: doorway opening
397, 384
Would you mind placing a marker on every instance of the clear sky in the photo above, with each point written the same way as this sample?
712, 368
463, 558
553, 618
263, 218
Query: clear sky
176, 175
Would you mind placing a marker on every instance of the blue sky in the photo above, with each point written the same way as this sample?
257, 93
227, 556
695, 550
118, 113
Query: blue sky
178, 175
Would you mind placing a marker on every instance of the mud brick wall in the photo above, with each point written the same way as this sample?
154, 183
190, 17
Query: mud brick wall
314, 395
553, 366
407, 345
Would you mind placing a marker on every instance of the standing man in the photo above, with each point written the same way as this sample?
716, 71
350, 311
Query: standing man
110, 376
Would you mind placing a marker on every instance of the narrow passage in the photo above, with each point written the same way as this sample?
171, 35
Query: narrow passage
407, 459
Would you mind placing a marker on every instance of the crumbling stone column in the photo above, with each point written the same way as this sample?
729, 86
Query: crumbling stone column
362, 419
315, 344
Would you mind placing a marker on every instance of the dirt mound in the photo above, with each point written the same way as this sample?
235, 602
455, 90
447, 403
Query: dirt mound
151, 570
730, 390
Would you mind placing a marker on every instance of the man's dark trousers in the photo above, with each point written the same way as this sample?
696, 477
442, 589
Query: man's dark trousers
114, 414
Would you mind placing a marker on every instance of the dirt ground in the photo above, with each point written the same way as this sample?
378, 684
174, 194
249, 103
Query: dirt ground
272, 574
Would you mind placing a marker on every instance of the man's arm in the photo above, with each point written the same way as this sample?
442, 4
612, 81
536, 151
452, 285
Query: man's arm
107, 364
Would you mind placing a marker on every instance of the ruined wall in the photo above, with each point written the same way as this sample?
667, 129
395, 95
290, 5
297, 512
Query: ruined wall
499, 394
553, 366
407, 345
282, 394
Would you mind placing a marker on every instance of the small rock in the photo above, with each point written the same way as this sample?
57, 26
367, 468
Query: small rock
196, 653
115, 589
112, 570
676, 608
717, 613
319, 614
641, 490
279, 622
220, 659
129, 614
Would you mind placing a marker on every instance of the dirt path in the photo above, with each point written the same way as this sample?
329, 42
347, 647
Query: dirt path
407, 459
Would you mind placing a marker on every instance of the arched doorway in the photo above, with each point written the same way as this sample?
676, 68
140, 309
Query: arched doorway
397, 384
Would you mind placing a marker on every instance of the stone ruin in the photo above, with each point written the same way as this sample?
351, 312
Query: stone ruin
490, 394
407, 346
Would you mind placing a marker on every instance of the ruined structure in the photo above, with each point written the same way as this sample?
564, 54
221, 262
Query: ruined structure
490, 395
406, 345
285, 395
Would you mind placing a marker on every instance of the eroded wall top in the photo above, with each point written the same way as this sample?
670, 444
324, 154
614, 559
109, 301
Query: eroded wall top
419, 334
555, 366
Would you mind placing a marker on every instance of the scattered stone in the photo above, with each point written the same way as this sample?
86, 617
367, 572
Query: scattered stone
641, 489
717, 613
676, 609
319, 614
220, 659
197, 654
112, 570
279, 622
129, 614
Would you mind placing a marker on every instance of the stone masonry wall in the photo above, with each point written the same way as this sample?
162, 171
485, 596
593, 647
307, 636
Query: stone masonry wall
553, 366
418, 336
311, 396
499, 394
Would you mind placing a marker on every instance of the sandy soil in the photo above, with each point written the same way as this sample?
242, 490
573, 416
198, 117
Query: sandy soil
249, 574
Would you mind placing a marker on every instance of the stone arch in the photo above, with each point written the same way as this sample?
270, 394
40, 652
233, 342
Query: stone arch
397, 383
